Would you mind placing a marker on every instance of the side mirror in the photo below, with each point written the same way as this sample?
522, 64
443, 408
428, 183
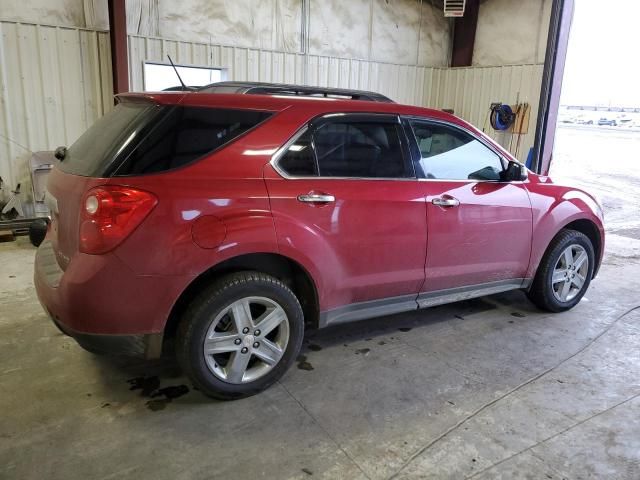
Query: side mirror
60, 153
488, 174
514, 172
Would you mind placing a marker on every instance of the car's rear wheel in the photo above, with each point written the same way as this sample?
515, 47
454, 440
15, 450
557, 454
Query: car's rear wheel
240, 335
565, 272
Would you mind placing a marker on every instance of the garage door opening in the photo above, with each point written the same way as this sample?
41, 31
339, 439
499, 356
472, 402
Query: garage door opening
598, 131
162, 76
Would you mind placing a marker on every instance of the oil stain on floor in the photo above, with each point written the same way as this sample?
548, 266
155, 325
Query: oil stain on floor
150, 387
303, 364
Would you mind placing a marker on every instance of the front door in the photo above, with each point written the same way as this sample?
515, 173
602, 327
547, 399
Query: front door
344, 196
479, 227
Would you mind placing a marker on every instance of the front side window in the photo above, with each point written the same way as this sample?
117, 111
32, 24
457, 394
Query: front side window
451, 154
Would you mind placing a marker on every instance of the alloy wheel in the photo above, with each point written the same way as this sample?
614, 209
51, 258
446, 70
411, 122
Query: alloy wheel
570, 273
246, 340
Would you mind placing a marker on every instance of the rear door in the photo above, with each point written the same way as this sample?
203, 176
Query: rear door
479, 227
344, 195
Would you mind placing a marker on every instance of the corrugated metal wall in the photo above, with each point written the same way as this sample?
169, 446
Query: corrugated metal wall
471, 90
54, 83
403, 83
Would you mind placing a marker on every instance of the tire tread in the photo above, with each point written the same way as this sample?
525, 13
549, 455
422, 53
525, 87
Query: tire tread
538, 293
204, 300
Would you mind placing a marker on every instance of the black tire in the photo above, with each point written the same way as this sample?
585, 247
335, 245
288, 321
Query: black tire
212, 301
541, 292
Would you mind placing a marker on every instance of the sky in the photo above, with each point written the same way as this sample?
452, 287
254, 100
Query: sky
603, 59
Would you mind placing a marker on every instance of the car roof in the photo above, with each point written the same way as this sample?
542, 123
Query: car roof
264, 88
276, 103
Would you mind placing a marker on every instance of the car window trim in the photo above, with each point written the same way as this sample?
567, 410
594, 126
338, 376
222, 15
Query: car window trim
320, 120
504, 161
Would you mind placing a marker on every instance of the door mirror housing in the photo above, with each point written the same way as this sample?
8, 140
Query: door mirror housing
514, 172
486, 174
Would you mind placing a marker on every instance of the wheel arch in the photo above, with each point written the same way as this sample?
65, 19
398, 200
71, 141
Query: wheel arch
289, 271
585, 226
590, 229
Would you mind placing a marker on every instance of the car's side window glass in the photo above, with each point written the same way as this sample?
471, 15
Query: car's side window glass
451, 154
360, 149
298, 160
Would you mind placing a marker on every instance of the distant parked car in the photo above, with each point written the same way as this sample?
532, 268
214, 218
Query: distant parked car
584, 121
606, 121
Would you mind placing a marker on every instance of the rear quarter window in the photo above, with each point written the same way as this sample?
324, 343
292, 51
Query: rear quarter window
143, 138
96, 150
185, 134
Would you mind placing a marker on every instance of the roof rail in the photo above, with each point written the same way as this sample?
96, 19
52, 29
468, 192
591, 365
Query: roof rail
260, 88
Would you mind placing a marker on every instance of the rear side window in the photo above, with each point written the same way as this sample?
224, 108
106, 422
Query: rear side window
185, 134
299, 159
360, 149
141, 138
350, 149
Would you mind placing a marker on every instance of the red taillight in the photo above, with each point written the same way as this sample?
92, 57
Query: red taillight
109, 214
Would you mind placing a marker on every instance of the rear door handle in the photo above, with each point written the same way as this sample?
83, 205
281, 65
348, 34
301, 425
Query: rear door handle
316, 198
446, 202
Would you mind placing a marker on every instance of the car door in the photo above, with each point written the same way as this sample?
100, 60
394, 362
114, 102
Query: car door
478, 226
345, 199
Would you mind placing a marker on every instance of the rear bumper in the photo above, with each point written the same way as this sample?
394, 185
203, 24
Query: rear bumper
103, 305
148, 346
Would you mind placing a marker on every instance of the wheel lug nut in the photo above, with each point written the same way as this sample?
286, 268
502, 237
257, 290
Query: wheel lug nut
237, 341
256, 344
244, 350
245, 330
256, 333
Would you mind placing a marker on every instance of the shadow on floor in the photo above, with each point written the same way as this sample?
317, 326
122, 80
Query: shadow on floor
161, 381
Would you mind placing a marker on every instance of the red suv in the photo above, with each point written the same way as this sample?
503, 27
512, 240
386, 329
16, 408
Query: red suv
232, 222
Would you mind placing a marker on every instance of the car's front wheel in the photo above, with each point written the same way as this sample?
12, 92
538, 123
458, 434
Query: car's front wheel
565, 272
240, 335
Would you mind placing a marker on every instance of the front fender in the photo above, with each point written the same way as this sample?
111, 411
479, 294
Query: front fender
553, 208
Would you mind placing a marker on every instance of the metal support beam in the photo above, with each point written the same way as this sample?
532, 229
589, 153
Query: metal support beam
464, 35
557, 43
118, 37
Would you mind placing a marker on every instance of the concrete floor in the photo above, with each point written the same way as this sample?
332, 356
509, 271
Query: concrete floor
490, 388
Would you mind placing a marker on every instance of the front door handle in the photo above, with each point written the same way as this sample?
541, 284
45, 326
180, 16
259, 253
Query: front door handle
446, 202
316, 198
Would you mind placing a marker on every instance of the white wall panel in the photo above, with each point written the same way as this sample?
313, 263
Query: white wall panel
54, 83
403, 83
470, 92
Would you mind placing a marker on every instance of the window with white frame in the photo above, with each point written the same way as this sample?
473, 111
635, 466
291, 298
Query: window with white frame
161, 76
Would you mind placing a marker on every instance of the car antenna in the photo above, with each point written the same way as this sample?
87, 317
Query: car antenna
184, 87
